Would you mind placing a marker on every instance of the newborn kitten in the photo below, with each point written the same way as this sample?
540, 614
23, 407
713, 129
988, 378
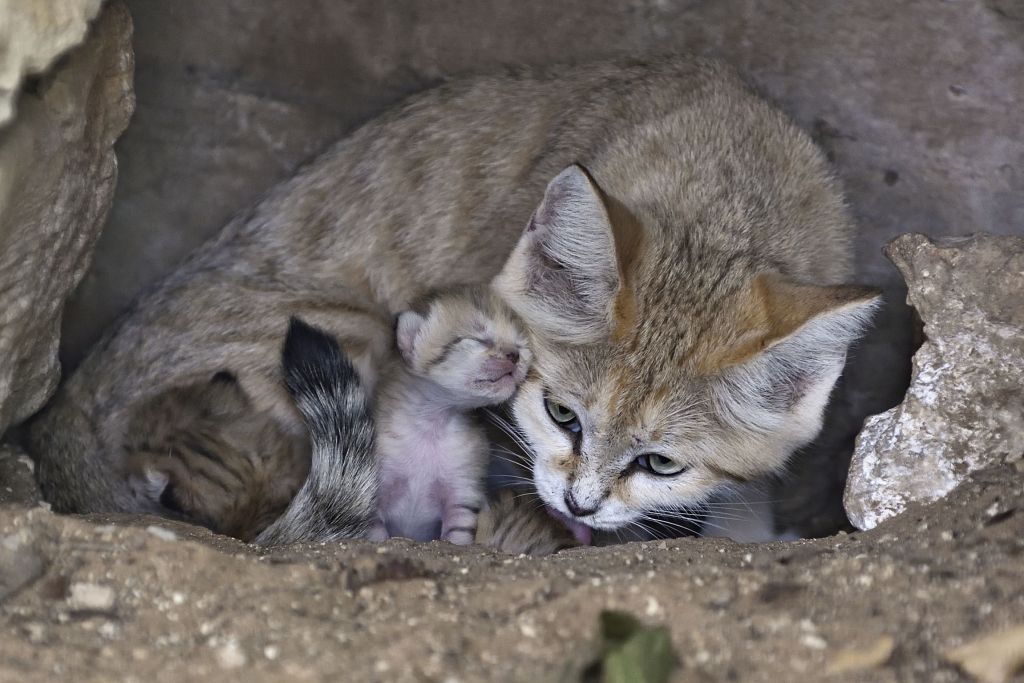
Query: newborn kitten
462, 349
200, 453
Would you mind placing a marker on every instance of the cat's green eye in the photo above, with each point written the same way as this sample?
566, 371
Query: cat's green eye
562, 416
656, 463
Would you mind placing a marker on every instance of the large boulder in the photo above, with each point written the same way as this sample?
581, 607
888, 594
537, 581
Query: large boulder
57, 176
965, 406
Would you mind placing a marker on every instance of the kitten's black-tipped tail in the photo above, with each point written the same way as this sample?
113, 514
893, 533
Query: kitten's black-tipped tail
339, 499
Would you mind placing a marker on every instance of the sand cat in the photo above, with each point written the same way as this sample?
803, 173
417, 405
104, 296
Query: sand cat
461, 350
674, 245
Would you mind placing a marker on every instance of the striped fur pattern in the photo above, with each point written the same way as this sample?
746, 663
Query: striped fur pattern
514, 523
199, 453
339, 497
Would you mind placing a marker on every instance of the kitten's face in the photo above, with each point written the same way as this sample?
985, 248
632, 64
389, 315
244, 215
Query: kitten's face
470, 344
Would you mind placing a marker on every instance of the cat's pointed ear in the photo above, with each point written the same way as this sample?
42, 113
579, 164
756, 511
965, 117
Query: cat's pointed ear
406, 328
783, 367
563, 277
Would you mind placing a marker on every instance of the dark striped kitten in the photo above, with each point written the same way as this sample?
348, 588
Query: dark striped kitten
199, 453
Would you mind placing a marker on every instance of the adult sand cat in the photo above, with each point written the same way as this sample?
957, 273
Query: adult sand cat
679, 271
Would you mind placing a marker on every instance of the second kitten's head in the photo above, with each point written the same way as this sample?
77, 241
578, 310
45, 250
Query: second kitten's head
468, 342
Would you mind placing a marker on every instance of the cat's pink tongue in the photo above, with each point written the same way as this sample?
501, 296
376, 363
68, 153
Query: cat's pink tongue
582, 532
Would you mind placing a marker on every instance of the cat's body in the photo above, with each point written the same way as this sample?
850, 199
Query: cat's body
668, 288
461, 350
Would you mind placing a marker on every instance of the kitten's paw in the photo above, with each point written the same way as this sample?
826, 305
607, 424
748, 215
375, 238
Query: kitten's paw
461, 536
378, 532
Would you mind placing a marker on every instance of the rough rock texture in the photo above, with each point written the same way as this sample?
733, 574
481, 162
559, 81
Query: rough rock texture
965, 406
916, 102
57, 175
96, 600
32, 35
17, 480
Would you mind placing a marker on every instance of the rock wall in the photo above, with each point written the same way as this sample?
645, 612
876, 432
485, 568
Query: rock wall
57, 176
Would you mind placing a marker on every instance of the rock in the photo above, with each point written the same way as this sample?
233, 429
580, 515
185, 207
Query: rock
33, 34
57, 176
20, 564
91, 596
965, 406
861, 658
210, 608
17, 482
994, 658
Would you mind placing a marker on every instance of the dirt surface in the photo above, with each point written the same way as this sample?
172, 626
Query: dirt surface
139, 599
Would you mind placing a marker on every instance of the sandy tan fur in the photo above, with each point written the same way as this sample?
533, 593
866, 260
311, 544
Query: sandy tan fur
635, 270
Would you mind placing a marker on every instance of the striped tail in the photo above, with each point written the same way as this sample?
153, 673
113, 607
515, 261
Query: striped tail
339, 498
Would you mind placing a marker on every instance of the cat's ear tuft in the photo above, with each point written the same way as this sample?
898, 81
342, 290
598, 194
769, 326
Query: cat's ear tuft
783, 368
407, 327
563, 277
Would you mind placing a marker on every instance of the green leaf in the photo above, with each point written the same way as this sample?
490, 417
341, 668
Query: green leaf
634, 653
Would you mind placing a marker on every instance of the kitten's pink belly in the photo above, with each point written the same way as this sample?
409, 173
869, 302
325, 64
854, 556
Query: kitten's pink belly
410, 500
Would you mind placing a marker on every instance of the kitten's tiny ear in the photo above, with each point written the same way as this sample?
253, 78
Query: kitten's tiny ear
406, 328
563, 276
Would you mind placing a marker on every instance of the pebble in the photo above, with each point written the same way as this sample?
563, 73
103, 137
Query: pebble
91, 596
861, 658
230, 656
815, 642
162, 533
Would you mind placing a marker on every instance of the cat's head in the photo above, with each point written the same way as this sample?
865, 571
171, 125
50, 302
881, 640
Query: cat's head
663, 370
468, 342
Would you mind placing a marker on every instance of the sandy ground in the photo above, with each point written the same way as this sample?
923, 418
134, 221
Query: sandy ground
137, 599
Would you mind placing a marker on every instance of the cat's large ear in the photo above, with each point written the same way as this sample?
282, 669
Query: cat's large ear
783, 367
563, 277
